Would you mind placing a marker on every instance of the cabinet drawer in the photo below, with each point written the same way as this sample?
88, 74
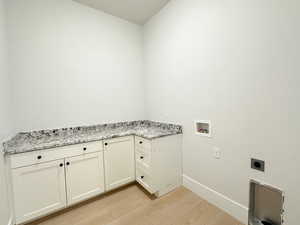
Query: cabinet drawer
145, 180
35, 157
142, 143
90, 147
31, 158
143, 157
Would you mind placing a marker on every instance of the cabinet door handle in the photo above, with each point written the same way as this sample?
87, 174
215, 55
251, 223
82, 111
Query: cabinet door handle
105, 144
141, 157
68, 163
141, 142
61, 165
39, 157
142, 177
84, 149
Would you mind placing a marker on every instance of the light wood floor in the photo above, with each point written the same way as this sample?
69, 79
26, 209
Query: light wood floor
132, 206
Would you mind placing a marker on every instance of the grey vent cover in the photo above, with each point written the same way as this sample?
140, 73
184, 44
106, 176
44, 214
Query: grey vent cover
265, 204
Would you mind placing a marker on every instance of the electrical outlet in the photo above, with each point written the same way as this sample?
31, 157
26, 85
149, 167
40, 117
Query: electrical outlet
217, 153
258, 164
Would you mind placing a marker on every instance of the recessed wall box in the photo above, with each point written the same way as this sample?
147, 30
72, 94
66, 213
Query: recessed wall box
203, 127
258, 164
265, 204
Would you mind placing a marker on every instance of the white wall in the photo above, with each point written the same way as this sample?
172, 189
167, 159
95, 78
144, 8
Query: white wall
6, 128
72, 65
236, 63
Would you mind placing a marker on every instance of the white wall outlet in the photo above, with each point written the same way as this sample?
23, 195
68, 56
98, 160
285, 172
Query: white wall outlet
216, 153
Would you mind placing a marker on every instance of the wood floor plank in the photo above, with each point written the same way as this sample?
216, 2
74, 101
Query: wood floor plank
201, 214
133, 206
159, 211
226, 219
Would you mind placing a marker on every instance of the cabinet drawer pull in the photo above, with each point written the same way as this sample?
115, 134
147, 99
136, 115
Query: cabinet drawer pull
39, 157
84, 149
142, 177
68, 163
142, 157
141, 142
61, 165
106, 144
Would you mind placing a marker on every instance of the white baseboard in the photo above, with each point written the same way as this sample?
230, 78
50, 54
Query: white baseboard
233, 208
11, 221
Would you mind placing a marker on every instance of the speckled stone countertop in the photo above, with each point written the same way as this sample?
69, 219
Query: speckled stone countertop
45, 139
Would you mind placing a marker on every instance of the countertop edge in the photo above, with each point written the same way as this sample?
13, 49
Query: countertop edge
89, 141
173, 129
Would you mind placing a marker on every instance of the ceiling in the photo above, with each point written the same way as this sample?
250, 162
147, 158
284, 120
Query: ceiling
136, 11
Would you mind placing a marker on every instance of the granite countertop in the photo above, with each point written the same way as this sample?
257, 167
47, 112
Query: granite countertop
45, 139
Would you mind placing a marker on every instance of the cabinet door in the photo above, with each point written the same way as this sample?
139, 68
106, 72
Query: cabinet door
38, 190
84, 176
119, 162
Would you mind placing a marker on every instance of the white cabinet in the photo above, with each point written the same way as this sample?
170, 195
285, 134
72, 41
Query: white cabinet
145, 180
31, 158
38, 190
159, 163
48, 180
119, 162
84, 176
